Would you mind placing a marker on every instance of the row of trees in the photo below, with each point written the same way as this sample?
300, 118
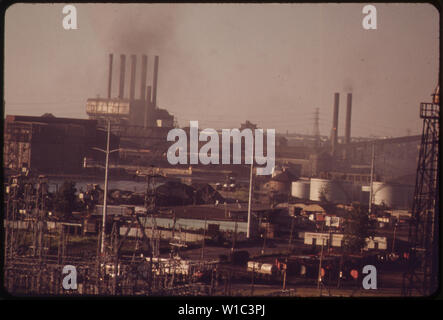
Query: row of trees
356, 228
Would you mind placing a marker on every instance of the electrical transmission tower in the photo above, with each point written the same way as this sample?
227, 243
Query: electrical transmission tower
151, 208
422, 275
317, 127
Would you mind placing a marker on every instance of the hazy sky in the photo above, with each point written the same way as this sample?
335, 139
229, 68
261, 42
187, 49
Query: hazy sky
222, 64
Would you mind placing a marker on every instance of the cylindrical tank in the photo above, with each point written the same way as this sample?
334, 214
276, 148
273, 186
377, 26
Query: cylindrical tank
254, 266
383, 194
267, 268
300, 189
393, 195
331, 190
319, 188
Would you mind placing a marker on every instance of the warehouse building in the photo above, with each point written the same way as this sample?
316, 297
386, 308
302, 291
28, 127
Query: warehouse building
51, 145
337, 240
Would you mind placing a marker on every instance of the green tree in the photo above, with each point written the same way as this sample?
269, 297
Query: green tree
357, 228
65, 201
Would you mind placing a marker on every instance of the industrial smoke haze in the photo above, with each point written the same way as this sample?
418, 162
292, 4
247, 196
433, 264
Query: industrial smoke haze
136, 30
271, 64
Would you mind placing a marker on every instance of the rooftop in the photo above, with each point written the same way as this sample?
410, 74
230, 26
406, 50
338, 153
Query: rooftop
215, 212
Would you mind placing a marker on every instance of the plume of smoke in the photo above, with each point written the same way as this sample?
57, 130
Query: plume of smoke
135, 28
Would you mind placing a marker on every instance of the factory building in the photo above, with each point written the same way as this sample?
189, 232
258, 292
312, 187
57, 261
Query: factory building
339, 171
280, 183
52, 145
138, 121
224, 218
337, 240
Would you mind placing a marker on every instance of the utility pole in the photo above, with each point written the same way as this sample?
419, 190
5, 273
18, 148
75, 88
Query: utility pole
289, 252
393, 240
248, 233
235, 237
203, 242
371, 191
316, 130
264, 239
319, 266
252, 280
105, 196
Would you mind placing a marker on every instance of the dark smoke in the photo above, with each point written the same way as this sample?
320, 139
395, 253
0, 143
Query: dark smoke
136, 28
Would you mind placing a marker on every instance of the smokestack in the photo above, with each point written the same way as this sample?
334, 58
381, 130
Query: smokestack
143, 78
111, 56
348, 119
132, 84
122, 76
154, 85
334, 132
148, 104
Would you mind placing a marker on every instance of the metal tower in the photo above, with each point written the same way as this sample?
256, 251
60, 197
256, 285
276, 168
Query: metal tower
422, 275
317, 127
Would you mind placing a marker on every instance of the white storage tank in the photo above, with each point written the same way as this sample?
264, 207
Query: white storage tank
382, 194
267, 268
319, 186
335, 191
300, 189
392, 195
254, 266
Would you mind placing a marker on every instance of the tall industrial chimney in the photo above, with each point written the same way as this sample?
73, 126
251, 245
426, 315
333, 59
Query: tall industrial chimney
348, 119
154, 85
132, 83
334, 132
143, 78
147, 107
111, 56
122, 76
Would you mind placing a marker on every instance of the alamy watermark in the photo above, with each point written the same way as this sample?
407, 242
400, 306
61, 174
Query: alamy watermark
209, 153
70, 280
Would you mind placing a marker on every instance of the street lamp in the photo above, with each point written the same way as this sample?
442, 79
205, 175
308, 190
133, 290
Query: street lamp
107, 152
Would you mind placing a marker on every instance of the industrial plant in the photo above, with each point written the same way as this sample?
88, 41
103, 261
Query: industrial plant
99, 194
